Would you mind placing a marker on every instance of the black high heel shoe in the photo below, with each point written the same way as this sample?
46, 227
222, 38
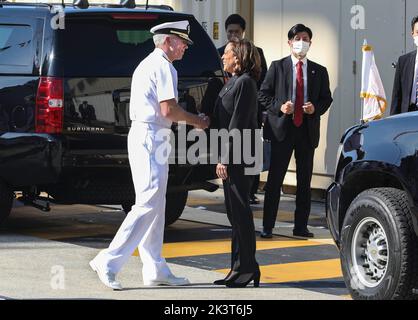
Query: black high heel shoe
221, 282
243, 279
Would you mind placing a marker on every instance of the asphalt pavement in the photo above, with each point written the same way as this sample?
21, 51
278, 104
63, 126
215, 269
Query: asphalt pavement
46, 255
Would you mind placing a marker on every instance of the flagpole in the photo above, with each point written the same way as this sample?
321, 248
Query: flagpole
362, 121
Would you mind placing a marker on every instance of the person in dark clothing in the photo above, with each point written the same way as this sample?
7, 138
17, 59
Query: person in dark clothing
405, 85
296, 94
236, 110
235, 28
87, 112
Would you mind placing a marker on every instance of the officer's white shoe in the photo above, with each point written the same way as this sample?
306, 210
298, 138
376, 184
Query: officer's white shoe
107, 278
168, 281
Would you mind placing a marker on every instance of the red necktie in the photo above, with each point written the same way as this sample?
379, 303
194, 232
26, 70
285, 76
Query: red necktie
300, 95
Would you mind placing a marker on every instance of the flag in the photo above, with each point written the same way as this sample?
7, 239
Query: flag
372, 91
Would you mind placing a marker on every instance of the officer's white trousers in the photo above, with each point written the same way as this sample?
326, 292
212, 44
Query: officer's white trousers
144, 225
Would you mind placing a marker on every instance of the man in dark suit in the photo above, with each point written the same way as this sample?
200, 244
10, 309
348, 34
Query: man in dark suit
295, 94
235, 28
405, 88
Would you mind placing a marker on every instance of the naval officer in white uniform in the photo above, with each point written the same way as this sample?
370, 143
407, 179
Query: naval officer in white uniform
153, 108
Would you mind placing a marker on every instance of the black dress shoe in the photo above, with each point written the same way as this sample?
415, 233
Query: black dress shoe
266, 233
241, 280
221, 282
254, 199
303, 233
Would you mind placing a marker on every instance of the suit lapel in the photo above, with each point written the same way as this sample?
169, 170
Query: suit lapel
288, 74
411, 70
228, 86
311, 74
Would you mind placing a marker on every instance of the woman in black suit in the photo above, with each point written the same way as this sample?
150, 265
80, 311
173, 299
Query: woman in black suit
236, 111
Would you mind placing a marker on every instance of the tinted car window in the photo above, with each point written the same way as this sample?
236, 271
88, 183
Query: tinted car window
103, 46
15, 45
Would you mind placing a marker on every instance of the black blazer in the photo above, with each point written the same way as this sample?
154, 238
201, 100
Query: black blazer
263, 61
402, 85
236, 108
277, 89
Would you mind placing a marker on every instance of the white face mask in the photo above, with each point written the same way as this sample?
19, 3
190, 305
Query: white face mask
301, 47
416, 40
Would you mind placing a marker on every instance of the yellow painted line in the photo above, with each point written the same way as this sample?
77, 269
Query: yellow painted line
203, 201
206, 247
327, 241
299, 271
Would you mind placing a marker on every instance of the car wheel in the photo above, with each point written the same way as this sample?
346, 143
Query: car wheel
175, 203
379, 247
6, 201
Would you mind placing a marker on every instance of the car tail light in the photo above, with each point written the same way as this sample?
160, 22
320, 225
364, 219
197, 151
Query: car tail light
49, 105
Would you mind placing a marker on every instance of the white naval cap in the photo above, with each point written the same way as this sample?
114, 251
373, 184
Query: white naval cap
178, 28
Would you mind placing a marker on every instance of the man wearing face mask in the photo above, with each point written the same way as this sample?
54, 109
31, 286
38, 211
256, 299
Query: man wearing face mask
405, 87
295, 94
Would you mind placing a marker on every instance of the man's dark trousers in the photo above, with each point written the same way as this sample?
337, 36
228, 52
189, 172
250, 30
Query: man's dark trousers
296, 140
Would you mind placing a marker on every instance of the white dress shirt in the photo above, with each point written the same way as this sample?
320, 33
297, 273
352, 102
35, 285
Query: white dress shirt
305, 78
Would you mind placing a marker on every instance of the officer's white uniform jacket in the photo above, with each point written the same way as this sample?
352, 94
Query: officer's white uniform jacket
154, 80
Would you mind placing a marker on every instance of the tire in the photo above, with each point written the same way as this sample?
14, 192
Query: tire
175, 203
174, 206
6, 201
379, 249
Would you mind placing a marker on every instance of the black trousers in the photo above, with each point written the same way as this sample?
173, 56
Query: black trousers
297, 140
254, 185
237, 190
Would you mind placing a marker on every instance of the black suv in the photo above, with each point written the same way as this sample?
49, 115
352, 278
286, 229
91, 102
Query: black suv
372, 208
65, 78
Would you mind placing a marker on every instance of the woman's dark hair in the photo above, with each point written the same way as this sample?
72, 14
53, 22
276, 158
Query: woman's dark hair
299, 28
248, 58
235, 19
414, 20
